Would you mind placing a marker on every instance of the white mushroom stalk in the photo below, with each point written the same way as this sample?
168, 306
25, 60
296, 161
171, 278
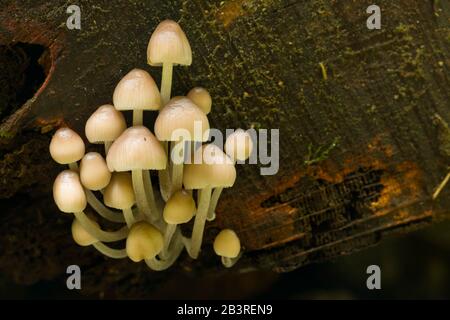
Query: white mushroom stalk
151, 223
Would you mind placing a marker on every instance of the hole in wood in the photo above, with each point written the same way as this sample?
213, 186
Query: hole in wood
25, 67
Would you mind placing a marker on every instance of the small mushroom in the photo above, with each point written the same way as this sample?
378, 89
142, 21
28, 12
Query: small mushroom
168, 46
201, 97
66, 146
68, 192
105, 125
119, 194
239, 145
94, 173
179, 121
216, 170
137, 150
227, 245
180, 208
144, 242
137, 91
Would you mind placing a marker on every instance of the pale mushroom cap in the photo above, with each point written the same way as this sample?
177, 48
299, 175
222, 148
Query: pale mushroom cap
66, 146
68, 192
181, 115
144, 242
215, 169
81, 236
137, 91
94, 173
227, 244
180, 208
106, 124
136, 149
169, 44
239, 145
201, 97
119, 193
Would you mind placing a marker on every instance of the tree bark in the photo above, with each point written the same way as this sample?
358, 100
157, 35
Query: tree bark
363, 118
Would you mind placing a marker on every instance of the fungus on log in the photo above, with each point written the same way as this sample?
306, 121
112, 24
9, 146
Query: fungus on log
363, 118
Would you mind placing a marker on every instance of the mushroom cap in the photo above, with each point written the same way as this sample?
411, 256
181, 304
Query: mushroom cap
94, 173
181, 116
239, 145
137, 91
68, 192
201, 97
81, 236
144, 242
227, 244
66, 146
169, 44
136, 149
106, 124
180, 208
119, 193
215, 169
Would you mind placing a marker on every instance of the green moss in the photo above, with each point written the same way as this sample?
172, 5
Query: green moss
319, 154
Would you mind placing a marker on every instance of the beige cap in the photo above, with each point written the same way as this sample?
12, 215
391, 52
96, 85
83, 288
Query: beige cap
180, 208
66, 146
137, 91
181, 116
81, 236
201, 97
94, 173
215, 170
68, 192
239, 145
106, 124
144, 242
119, 193
168, 44
136, 149
227, 244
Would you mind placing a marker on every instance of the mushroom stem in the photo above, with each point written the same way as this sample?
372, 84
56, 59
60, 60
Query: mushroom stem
107, 146
168, 234
129, 217
163, 264
177, 168
213, 204
193, 246
99, 234
164, 177
141, 197
110, 252
138, 117
229, 262
96, 204
148, 187
166, 82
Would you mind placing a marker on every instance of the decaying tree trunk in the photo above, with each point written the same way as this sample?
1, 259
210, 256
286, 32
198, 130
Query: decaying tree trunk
363, 118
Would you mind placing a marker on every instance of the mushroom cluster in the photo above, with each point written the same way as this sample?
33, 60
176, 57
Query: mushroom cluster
190, 183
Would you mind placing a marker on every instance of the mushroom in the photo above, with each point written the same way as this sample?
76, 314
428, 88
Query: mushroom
119, 194
201, 97
66, 146
238, 146
168, 46
180, 208
94, 173
227, 245
179, 121
105, 125
144, 242
69, 196
138, 150
137, 91
84, 238
216, 170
